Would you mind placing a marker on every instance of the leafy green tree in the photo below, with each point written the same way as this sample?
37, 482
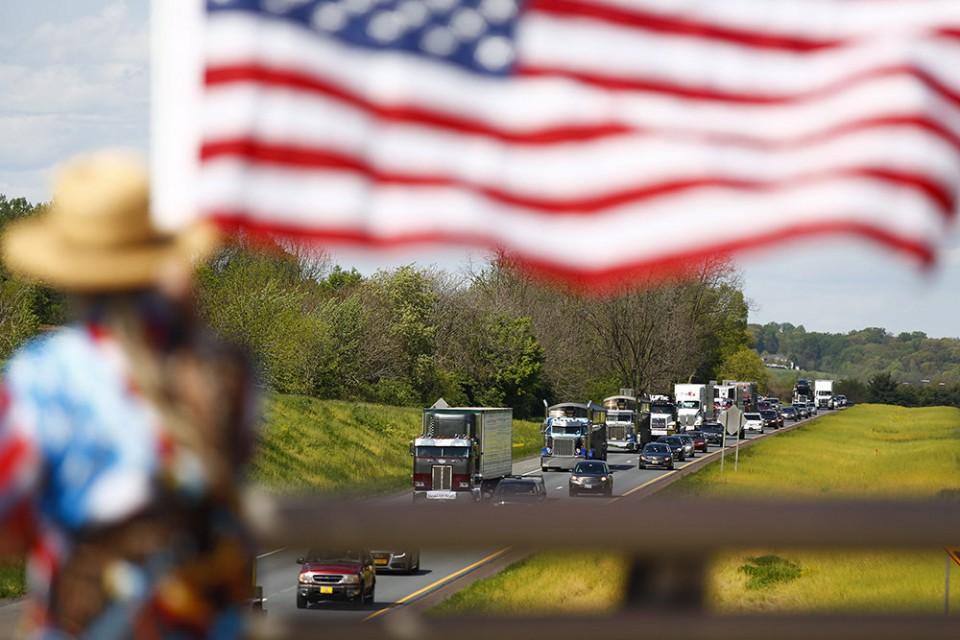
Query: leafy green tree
882, 388
260, 301
745, 365
507, 364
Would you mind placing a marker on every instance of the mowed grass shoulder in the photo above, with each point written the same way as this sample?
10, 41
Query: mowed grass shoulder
866, 451
869, 451
348, 447
546, 582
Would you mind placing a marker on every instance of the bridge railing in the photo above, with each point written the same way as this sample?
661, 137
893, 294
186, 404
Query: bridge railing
670, 541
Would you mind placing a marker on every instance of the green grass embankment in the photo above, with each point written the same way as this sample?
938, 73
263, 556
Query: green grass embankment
544, 583
349, 447
869, 451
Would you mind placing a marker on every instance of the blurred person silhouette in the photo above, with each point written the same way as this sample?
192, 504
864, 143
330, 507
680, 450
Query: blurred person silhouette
123, 436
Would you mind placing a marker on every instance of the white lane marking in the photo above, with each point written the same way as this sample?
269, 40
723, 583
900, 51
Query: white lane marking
270, 553
558, 488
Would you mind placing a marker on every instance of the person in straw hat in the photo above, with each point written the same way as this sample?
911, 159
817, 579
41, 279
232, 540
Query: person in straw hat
123, 436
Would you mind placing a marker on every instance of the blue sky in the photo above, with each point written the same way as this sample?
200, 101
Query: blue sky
74, 77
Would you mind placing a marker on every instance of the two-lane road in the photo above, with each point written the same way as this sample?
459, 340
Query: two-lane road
277, 571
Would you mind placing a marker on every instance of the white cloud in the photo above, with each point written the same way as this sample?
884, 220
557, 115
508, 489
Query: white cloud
71, 85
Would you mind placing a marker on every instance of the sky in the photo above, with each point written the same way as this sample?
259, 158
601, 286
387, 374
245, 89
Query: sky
74, 77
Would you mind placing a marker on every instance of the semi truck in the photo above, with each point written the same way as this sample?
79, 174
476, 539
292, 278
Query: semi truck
462, 452
802, 391
694, 404
573, 432
663, 416
746, 397
823, 392
628, 421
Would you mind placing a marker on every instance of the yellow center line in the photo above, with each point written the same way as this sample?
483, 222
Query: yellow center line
433, 585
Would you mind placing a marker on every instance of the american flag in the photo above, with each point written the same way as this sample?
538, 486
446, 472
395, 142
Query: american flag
591, 139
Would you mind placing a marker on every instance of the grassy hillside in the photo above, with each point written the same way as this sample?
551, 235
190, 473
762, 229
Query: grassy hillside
872, 451
353, 447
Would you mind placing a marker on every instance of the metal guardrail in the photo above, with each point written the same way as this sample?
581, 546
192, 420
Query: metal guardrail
671, 542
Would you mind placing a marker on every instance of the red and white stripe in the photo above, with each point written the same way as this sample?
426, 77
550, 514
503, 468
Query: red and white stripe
638, 135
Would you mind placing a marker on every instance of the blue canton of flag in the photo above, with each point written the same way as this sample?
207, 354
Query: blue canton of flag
476, 35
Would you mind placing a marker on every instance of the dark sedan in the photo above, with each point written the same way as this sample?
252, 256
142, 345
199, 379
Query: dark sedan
713, 432
771, 419
699, 440
676, 446
656, 454
591, 476
519, 490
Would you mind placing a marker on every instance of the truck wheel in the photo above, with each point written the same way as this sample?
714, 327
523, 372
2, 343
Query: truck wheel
301, 602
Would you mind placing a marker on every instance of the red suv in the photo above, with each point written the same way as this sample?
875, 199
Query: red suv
336, 575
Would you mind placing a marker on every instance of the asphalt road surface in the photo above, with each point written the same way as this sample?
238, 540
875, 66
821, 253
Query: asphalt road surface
277, 570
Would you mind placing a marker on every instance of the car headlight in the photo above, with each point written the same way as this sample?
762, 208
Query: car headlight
603, 478
306, 577
399, 556
351, 579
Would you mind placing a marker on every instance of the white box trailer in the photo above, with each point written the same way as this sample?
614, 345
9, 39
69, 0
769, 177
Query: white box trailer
694, 404
462, 452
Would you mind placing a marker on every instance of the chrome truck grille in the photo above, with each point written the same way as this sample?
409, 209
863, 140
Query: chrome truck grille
563, 447
442, 477
616, 432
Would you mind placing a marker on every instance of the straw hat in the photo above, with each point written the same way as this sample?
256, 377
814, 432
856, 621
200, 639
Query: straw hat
98, 235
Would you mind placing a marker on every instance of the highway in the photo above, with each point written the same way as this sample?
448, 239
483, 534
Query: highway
277, 570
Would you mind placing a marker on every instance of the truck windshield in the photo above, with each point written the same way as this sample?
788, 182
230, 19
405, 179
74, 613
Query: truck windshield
690, 404
620, 416
566, 430
443, 452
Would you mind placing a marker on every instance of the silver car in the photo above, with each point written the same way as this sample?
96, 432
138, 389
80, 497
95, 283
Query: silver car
399, 561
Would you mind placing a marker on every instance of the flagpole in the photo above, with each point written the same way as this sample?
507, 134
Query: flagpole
946, 586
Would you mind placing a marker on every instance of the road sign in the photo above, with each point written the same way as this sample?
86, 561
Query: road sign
730, 418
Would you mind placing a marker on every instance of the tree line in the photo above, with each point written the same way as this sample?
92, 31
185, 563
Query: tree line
911, 357
488, 335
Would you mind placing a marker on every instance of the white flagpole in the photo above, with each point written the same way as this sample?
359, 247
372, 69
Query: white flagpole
176, 68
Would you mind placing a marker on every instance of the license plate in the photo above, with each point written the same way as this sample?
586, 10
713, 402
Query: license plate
380, 562
326, 589
441, 495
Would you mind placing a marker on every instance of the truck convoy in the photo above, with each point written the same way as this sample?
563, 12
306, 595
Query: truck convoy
663, 416
573, 432
694, 404
462, 453
823, 392
628, 421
